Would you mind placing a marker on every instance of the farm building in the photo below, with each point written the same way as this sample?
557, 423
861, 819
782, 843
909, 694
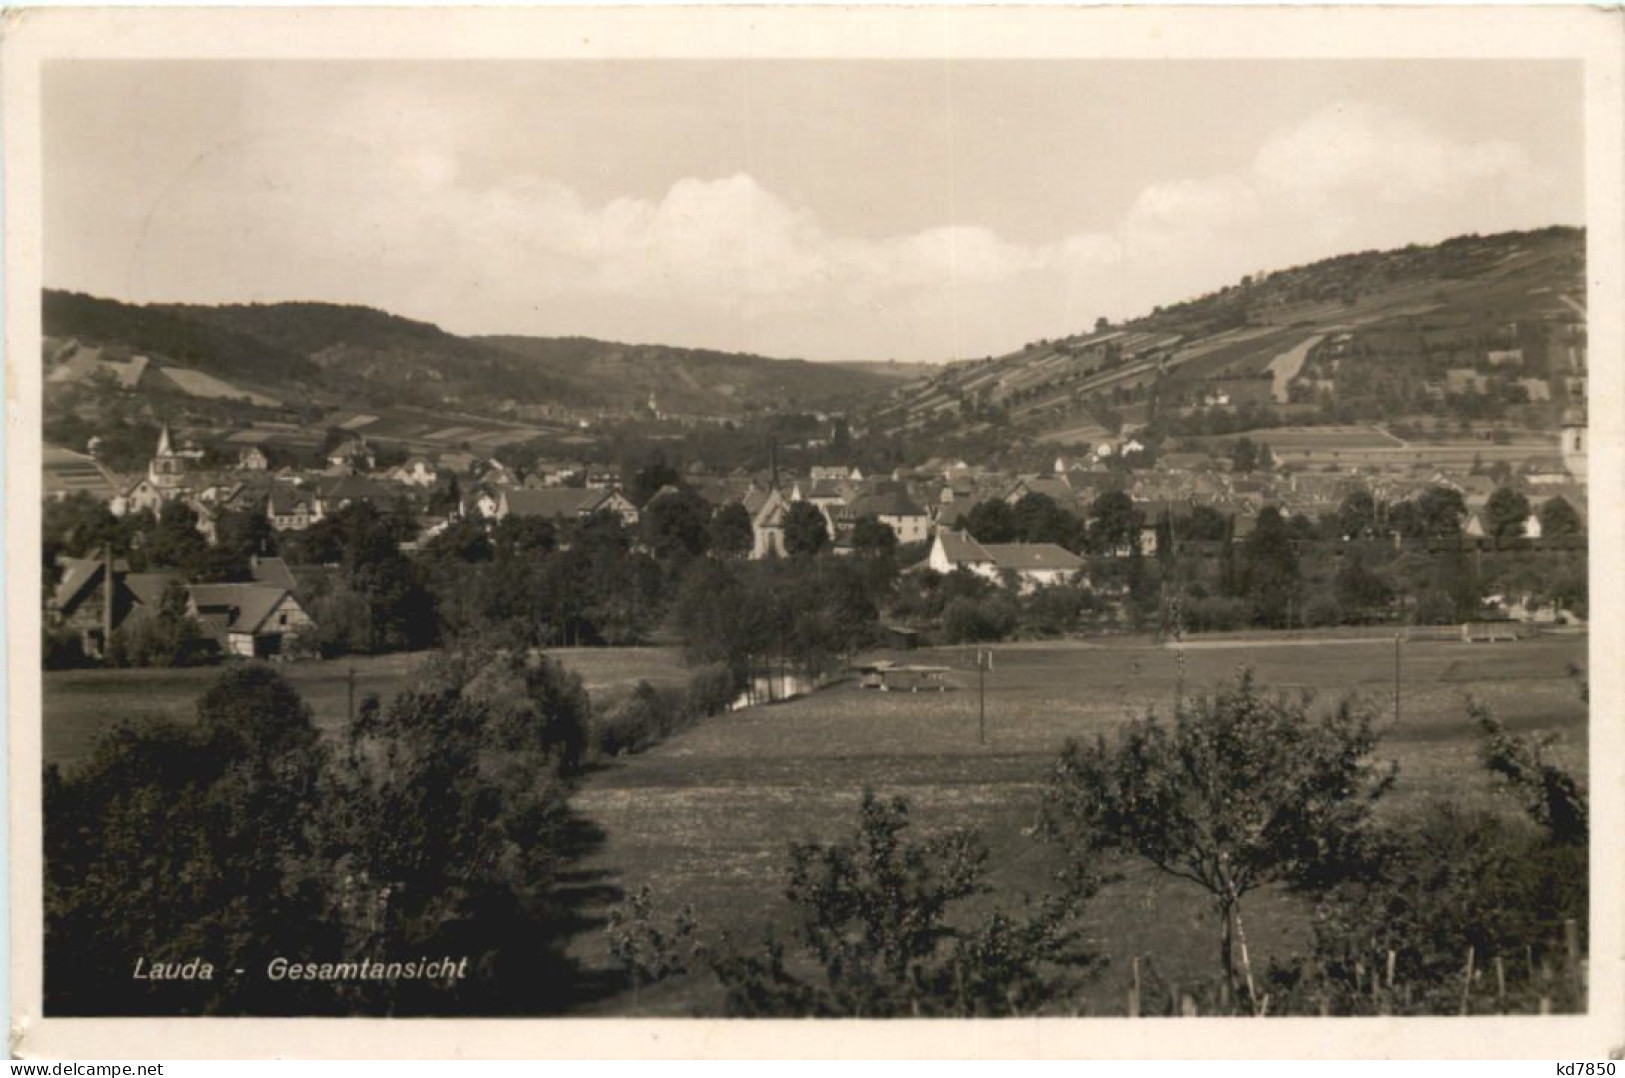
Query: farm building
253, 620
83, 600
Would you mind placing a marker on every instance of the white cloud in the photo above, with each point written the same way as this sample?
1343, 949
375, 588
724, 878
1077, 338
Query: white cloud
1354, 150
398, 221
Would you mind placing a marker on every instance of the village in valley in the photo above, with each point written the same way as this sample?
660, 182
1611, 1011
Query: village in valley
928, 590
635, 558
1112, 445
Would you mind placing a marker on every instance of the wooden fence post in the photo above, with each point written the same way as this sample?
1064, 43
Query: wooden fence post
1134, 992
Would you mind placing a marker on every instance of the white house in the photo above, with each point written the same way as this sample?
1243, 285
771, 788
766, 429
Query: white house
909, 522
1034, 565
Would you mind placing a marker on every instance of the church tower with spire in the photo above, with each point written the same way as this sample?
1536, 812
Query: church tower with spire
167, 469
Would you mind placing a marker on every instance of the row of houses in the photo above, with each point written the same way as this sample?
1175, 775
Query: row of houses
917, 505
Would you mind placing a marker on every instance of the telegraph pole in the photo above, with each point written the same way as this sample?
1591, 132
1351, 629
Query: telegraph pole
981, 696
1396, 678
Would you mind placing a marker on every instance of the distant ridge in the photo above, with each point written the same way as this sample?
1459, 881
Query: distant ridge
339, 354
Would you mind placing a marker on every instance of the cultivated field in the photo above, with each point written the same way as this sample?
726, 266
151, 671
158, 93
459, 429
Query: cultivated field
705, 819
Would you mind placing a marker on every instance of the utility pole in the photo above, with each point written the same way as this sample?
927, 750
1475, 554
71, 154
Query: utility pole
1396, 678
349, 709
981, 696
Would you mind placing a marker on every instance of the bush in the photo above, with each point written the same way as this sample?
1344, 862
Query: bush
1435, 608
649, 715
631, 724
62, 649
711, 689
1215, 614
1321, 611
155, 640
970, 621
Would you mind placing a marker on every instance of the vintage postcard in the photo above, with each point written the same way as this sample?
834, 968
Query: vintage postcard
1020, 531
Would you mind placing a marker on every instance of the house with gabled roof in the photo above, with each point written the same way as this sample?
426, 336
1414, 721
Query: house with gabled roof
896, 510
1056, 489
254, 620
292, 508
1033, 565
96, 604
417, 471
564, 503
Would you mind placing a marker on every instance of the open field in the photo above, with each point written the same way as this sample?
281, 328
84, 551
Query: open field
705, 819
1295, 438
81, 704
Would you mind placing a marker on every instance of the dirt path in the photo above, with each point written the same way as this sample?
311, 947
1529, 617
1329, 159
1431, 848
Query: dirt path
1286, 366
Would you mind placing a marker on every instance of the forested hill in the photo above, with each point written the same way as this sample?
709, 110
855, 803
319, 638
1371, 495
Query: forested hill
352, 355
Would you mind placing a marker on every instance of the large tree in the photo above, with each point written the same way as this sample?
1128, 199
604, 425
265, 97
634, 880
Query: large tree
1241, 789
677, 523
1558, 517
190, 839
1357, 515
885, 924
1040, 519
871, 536
1269, 569
731, 532
1114, 522
1505, 513
805, 532
992, 521
1439, 512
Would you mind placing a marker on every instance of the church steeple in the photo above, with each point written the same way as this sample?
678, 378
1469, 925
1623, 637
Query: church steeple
165, 468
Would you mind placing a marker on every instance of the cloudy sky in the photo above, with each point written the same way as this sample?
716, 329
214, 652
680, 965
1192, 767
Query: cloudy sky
915, 210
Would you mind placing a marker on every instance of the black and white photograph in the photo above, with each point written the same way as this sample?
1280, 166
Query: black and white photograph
809, 527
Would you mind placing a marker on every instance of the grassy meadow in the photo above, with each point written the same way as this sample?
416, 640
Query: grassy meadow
705, 818
81, 704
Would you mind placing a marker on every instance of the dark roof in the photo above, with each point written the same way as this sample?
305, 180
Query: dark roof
1033, 556
1048, 486
272, 571
552, 502
355, 488
285, 499
959, 548
148, 588
243, 607
891, 503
